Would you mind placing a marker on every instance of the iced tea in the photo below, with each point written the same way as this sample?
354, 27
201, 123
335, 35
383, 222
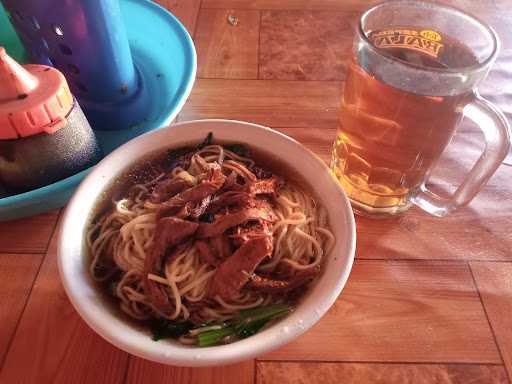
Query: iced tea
389, 138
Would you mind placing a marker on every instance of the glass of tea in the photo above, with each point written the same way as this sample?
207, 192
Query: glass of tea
412, 77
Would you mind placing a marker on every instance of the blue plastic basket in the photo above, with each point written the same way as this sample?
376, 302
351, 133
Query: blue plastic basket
165, 60
9, 39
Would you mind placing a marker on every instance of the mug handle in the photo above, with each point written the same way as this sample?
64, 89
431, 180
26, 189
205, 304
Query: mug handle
495, 128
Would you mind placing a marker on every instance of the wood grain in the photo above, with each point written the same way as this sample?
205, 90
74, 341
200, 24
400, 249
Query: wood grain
356, 373
502, 5
494, 282
226, 50
53, 345
305, 45
291, 4
476, 7
401, 312
269, 102
17, 273
28, 235
464, 235
143, 371
318, 140
185, 10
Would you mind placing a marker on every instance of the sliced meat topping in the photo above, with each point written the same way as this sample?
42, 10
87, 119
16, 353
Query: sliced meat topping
205, 253
198, 165
166, 189
267, 284
214, 250
265, 206
229, 220
244, 233
230, 199
260, 172
170, 232
195, 194
230, 182
235, 271
201, 207
221, 247
185, 211
265, 186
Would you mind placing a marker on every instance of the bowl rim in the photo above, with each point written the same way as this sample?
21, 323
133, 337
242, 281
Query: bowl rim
80, 291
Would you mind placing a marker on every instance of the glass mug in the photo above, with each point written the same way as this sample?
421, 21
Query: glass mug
412, 77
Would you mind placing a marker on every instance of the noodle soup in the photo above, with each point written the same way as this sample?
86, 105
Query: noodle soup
206, 245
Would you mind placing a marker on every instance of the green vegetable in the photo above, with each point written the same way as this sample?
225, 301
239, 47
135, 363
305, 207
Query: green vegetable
207, 141
162, 328
263, 312
249, 322
213, 337
250, 329
239, 149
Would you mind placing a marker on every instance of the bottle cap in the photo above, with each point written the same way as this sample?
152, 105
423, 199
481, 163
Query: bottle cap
33, 99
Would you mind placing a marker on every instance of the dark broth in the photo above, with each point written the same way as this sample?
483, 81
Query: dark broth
152, 164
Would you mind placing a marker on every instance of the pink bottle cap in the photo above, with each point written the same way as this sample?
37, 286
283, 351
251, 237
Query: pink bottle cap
33, 99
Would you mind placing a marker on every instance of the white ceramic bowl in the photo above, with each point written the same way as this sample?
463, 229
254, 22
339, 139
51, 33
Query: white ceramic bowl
107, 320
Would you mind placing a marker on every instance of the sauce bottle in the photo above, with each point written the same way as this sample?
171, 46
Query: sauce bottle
44, 135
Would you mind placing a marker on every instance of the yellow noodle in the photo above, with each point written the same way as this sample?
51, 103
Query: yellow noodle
125, 236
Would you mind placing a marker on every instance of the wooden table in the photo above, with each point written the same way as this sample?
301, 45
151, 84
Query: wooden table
429, 300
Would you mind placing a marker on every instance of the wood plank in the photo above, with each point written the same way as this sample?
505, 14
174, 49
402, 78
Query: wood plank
17, 273
401, 312
269, 102
349, 5
143, 371
185, 10
475, 7
227, 50
27, 235
478, 232
494, 282
355, 373
502, 5
305, 45
318, 140
53, 345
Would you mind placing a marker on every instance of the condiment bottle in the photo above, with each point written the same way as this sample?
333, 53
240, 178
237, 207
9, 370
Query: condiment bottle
44, 135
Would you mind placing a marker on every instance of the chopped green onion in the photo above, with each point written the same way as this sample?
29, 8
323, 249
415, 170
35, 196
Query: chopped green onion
263, 312
207, 141
163, 329
213, 337
246, 330
249, 322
